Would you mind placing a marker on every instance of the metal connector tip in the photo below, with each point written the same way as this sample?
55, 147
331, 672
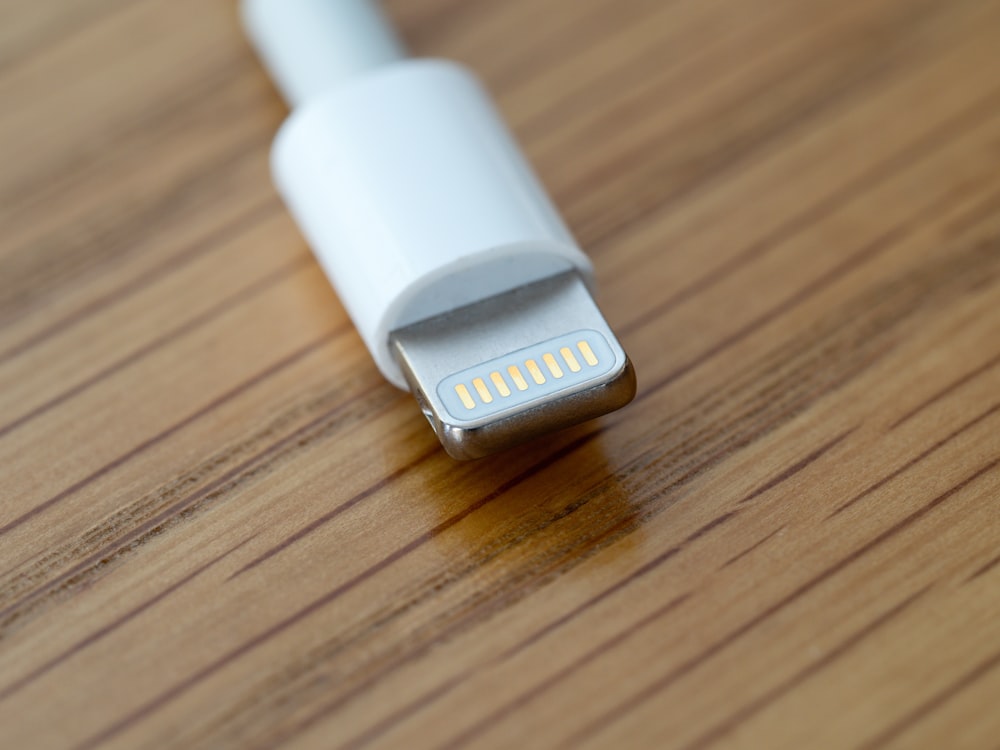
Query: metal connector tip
515, 366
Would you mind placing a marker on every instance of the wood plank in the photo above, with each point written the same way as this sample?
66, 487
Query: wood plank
220, 528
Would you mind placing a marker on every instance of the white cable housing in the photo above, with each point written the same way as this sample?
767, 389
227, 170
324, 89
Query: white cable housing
415, 198
459, 274
310, 46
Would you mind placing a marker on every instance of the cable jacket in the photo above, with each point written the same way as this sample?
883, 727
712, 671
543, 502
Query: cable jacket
311, 46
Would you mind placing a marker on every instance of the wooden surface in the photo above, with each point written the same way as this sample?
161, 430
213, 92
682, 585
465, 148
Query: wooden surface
220, 528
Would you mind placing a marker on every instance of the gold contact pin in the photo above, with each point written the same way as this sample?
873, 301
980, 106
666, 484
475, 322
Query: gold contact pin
517, 377
463, 393
553, 366
535, 370
482, 390
567, 355
499, 383
587, 352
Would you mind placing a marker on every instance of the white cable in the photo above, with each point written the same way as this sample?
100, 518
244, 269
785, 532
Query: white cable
311, 46
449, 257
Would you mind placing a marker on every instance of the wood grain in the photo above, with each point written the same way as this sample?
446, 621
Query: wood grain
220, 528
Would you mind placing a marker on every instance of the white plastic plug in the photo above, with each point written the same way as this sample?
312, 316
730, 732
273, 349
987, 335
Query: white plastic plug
418, 204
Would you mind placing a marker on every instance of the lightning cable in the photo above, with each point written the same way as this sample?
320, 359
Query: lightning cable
449, 257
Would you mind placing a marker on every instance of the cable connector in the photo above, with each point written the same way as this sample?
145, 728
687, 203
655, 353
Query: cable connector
514, 366
460, 276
